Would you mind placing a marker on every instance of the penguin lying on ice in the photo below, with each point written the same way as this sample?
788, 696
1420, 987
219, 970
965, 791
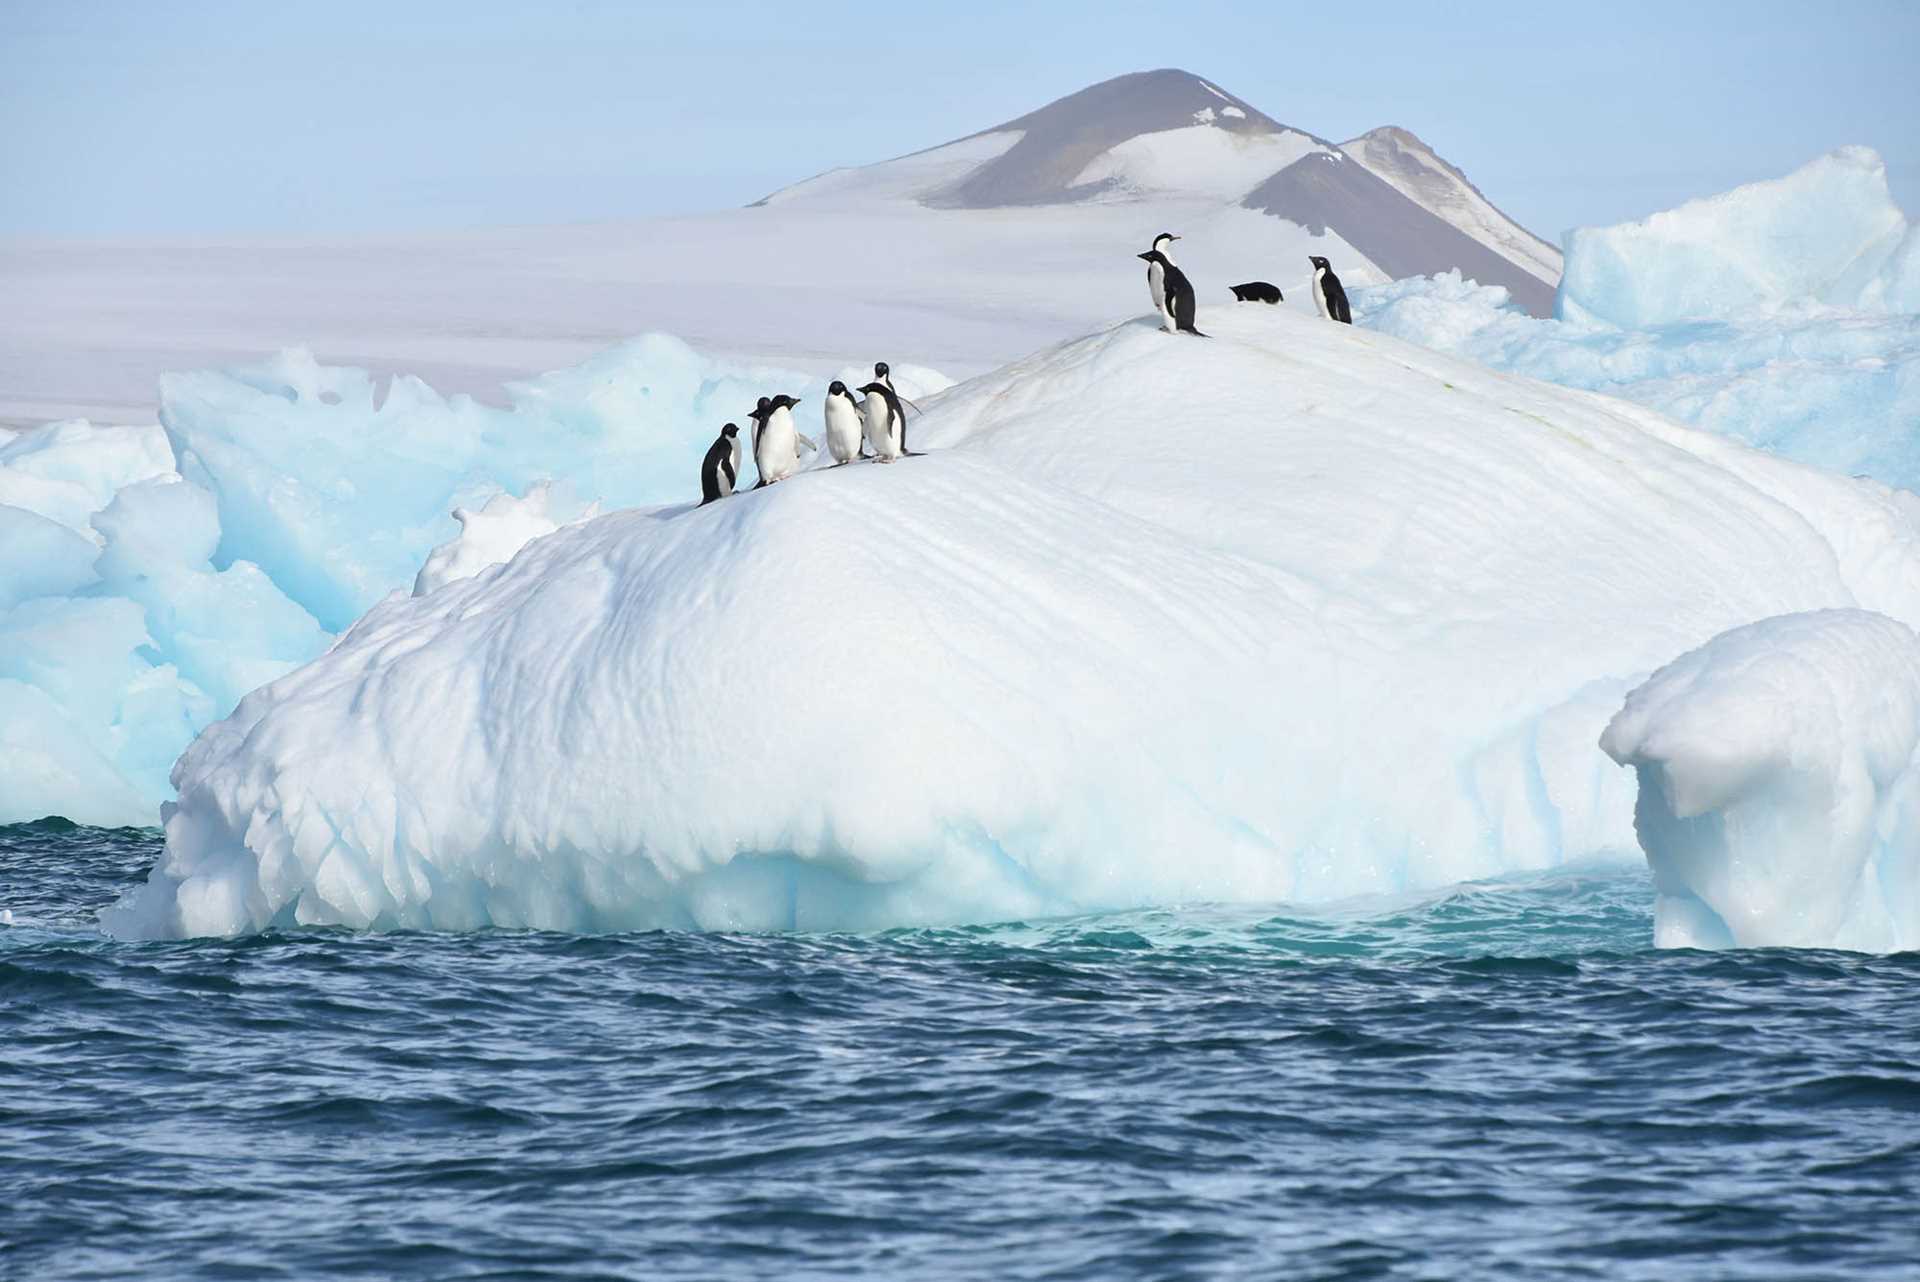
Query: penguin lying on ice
1257, 291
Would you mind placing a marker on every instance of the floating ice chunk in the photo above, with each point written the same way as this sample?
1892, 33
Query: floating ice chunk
1828, 232
1779, 772
1147, 624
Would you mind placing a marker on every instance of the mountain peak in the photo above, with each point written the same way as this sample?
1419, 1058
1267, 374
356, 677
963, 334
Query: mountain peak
1058, 141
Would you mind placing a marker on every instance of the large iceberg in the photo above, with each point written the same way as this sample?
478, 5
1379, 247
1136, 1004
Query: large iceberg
1297, 612
1782, 315
1779, 771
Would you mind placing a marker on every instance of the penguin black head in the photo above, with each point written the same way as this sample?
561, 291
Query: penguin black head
730, 431
760, 411
783, 402
874, 389
1320, 262
1165, 235
1153, 256
880, 369
836, 388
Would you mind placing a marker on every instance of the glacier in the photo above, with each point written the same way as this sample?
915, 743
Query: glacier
1784, 314
1779, 770
1298, 612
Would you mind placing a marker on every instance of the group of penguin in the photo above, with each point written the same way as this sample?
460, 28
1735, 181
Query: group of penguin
877, 426
1173, 293
878, 423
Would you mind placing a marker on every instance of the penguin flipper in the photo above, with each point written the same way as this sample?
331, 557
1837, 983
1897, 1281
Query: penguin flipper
806, 440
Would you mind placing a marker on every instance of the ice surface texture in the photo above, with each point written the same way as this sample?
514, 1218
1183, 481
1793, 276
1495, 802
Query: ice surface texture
1779, 775
1296, 612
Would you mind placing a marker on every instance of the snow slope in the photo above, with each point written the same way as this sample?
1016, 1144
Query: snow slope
1297, 612
1779, 771
1398, 158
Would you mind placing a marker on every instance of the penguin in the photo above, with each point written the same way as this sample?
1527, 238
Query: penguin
882, 373
1328, 296
721, 468
844, 426
1157, 271
1176, 313
776, 441
885, 422
1257, 291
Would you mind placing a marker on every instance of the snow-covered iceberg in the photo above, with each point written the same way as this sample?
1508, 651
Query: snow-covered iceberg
1782, 314
1779, 771
1296, 612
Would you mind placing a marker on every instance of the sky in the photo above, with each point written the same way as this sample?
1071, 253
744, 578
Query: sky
224, 118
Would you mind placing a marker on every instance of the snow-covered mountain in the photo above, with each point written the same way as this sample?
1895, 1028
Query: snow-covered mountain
1154, 135
1411, 168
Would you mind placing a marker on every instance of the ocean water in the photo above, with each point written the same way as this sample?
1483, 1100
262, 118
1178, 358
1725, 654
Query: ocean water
1499, 1081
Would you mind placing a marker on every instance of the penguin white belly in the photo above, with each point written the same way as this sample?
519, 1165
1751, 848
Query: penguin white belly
843, 429
1319, 297
777, 453
883, 437
1157, 286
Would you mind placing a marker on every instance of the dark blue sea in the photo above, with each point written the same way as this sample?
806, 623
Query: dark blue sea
1500, 1081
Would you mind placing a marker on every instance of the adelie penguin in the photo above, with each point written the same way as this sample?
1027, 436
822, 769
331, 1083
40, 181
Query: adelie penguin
1172, 293
886, 424
883, 374
844, 425
720, 470
1257, 291
1328, 296
776, 441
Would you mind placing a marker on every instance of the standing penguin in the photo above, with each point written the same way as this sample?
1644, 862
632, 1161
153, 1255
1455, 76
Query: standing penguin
1174, 297
1157, 271
843, 423
886, 425
1328, 296
882, 373
776, 441
720, 470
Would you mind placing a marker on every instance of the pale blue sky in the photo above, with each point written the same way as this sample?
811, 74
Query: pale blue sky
250, 116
